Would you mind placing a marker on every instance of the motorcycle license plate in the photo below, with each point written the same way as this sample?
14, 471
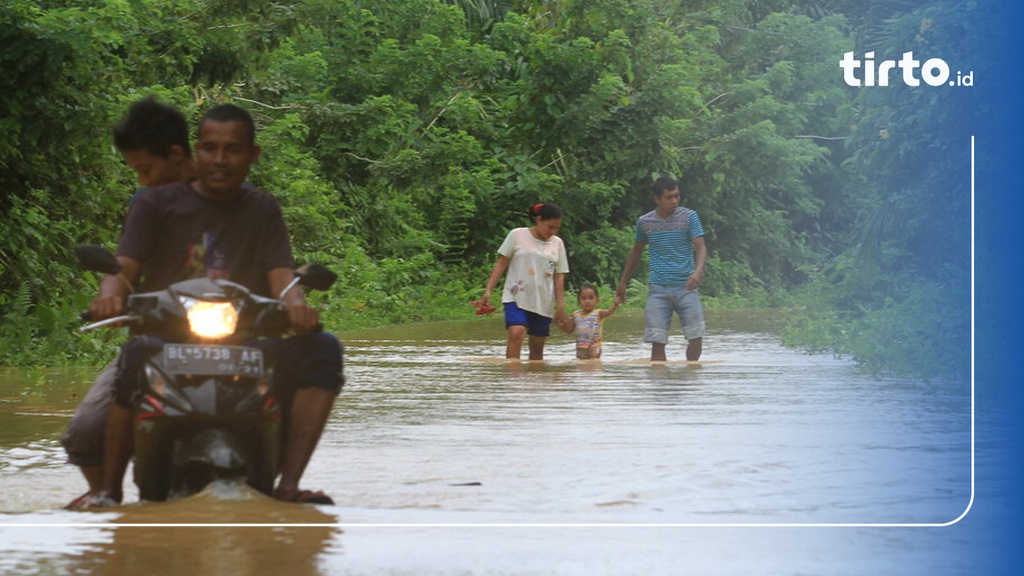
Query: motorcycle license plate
213, 360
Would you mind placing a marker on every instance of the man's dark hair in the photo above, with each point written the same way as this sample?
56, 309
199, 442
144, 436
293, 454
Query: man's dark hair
231, 113
664, 184
152, 126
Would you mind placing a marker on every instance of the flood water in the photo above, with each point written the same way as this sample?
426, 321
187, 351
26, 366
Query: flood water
445, 459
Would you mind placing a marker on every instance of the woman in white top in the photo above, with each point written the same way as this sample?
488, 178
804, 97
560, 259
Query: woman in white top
534, 293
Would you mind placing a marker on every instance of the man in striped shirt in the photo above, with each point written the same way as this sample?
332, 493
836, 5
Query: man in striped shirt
677, 255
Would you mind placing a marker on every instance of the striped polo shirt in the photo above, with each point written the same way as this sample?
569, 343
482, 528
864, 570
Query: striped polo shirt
670, 244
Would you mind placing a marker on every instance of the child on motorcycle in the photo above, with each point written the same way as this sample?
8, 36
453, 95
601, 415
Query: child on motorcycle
153, 140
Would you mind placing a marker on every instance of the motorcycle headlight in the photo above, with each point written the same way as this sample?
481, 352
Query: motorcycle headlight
210, 319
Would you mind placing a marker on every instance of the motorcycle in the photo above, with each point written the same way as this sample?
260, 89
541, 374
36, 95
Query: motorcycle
207, 411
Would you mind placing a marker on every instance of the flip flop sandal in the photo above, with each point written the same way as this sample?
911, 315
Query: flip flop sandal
307, 497
482, 308
90, 501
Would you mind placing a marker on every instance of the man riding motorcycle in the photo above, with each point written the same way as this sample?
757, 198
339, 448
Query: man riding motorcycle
218, 227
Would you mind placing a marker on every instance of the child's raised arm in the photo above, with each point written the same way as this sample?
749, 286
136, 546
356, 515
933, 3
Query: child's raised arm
608, 312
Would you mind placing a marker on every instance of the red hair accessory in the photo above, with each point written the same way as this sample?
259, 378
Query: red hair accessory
537, 207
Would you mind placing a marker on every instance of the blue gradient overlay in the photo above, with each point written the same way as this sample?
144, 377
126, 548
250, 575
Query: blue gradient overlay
994, 523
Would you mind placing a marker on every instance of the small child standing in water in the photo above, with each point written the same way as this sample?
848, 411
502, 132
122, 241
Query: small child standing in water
588, 323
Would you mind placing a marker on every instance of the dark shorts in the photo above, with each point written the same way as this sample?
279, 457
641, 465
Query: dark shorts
536, 325
313, 360
86, 433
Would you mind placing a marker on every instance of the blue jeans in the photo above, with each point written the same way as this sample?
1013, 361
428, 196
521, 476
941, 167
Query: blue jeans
662, 301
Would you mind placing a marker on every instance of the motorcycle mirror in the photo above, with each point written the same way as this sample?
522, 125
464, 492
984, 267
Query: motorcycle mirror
316, 276
97, 259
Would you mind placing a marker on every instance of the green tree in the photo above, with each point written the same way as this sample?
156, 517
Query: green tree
898, 297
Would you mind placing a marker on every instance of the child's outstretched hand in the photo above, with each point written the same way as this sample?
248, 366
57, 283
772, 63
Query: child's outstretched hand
482, 307
615, 306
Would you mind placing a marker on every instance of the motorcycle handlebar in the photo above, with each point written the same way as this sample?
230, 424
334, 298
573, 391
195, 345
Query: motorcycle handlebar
108, 321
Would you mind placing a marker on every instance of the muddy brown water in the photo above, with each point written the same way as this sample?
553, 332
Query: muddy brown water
445, 459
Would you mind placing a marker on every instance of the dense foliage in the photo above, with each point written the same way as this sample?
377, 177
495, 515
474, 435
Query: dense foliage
405, 137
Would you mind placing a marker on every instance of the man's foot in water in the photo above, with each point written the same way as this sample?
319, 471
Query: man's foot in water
93, 500
303, 496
